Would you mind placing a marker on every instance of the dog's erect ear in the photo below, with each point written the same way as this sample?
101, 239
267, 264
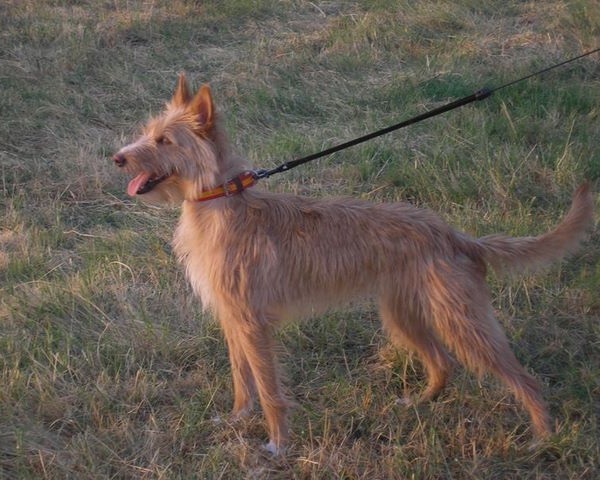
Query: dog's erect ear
182, 92
202, 106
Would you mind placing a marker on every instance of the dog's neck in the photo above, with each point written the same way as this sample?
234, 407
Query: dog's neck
234, 186
222, 197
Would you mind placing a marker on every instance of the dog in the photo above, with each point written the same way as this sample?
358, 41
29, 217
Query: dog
257, 258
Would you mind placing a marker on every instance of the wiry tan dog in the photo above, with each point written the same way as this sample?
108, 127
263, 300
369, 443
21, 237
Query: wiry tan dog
257, 258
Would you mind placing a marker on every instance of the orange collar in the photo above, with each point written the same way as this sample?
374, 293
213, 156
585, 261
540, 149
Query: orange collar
231, 187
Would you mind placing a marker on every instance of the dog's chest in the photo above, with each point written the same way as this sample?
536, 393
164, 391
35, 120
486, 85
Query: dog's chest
198, 251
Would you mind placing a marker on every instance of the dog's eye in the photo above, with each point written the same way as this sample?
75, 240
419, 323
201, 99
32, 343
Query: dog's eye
162, 140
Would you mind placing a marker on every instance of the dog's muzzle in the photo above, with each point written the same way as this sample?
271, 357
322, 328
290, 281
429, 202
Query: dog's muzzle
119, 160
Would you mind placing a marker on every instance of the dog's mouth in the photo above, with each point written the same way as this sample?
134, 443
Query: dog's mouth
144, 182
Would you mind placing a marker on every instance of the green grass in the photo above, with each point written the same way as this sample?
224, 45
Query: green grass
109, 368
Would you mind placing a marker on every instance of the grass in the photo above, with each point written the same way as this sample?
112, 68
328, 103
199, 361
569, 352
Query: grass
109, 368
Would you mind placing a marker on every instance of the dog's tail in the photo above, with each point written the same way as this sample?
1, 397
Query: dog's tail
509, 253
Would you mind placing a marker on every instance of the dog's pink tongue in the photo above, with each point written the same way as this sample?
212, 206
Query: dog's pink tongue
136, 183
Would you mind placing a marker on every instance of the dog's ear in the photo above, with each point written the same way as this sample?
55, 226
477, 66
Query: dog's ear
202, 106
182, 92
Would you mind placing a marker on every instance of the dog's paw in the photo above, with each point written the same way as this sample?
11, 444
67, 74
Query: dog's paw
217, 419
538, 445
406, 401
232, 418
240, 414
273, 449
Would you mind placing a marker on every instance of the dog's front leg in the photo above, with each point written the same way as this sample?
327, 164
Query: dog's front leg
254, 337
244, 386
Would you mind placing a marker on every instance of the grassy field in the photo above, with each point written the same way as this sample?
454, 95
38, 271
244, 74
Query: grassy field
109, 368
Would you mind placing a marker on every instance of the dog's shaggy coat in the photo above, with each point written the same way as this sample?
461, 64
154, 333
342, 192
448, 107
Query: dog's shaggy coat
256, 258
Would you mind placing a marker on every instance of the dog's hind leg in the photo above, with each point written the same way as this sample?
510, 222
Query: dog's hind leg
483, 347
407, 329
462, 312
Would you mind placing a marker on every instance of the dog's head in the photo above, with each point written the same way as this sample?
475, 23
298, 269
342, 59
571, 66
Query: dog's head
179, 153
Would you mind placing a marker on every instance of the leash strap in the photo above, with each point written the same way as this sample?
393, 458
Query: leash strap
479, 95
247, 179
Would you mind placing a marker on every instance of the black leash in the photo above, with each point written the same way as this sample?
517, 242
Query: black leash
478, 95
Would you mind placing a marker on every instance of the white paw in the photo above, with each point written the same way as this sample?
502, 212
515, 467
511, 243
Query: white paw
406, 401
273, 449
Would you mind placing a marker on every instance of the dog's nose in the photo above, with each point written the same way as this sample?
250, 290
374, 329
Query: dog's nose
119, 160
